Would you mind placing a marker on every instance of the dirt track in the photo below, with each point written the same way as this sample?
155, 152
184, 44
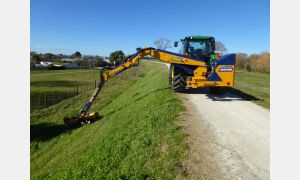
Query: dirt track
229, 137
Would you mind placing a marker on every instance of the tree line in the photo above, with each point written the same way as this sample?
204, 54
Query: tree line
254, 62
78, 59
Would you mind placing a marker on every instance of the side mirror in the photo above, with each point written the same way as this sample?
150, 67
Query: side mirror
175, 43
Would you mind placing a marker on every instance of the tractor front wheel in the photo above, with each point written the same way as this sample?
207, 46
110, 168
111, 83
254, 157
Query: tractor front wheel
177, 79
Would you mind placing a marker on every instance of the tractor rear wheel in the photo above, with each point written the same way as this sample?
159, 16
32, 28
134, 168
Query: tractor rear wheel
178, 79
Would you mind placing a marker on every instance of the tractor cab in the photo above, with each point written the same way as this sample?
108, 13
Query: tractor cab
200, 47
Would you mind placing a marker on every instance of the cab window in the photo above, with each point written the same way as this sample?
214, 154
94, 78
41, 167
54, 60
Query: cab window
203, 47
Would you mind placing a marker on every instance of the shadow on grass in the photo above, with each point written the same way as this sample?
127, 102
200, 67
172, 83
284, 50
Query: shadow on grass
46, 131
59, 83
142, 97
230, 94
245, 96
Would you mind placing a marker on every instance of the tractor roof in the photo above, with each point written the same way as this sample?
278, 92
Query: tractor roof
199, 37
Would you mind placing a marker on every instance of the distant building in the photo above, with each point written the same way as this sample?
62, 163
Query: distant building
68, 59
45, 64
106, 59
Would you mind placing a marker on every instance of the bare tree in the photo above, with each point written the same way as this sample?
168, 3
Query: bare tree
241, 60
163, 43
220, 47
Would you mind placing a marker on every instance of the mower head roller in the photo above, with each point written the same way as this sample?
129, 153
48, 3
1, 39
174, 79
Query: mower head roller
81, 120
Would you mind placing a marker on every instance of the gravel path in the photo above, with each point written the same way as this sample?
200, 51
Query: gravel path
235, 132
228, 136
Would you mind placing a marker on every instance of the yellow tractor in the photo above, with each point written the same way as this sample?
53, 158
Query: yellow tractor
197, 66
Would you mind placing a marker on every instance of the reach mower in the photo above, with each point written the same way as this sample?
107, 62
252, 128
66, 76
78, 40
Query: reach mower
197, 66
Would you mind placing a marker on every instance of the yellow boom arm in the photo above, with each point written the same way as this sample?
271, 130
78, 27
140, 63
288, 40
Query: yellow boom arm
163, 56
219, 74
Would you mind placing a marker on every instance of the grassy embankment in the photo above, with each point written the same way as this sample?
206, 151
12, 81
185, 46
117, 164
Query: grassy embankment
255, 84
138, 136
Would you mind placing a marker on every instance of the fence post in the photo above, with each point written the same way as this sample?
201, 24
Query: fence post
45, 99
77, 90
52, 98
39, 102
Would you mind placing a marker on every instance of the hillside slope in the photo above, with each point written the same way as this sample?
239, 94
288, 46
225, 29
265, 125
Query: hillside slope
138, 137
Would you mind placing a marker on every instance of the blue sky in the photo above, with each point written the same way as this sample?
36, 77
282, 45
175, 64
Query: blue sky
97, 27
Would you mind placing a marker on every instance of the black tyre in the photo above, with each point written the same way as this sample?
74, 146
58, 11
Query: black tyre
178, 80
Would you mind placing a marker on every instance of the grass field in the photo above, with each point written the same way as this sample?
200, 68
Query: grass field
59, 80
255, 84
137, 138
58, 85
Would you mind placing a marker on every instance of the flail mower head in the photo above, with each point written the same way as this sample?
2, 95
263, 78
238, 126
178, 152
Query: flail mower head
82, 119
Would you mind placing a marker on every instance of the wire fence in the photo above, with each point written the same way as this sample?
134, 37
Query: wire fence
46, 99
